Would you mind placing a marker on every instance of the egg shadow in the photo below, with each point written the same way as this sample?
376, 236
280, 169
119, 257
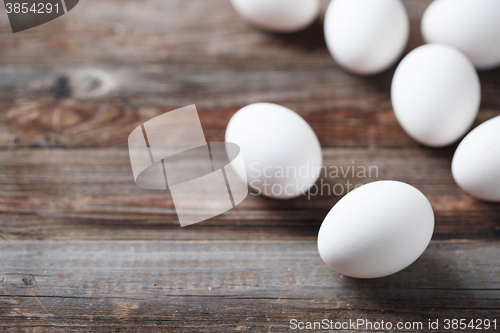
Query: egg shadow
430, 288
310, 39
381, 82
490, 86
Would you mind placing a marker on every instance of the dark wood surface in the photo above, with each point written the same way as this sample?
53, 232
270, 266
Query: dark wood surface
83, 249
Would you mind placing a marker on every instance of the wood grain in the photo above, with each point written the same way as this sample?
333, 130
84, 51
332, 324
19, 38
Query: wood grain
58, 194
226, 286
119, 32
40, 110
83, 249
68, 92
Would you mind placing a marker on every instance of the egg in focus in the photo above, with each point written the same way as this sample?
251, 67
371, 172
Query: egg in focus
376, 230
282, 153
476, 162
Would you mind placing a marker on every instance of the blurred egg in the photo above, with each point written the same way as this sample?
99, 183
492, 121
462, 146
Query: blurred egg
282, 154
366, 36
476, 163
376, 230
471, 26
435, 94
281, 16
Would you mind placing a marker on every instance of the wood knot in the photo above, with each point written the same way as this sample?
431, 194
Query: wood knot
82, 83
61, 88
29, 280
90, 83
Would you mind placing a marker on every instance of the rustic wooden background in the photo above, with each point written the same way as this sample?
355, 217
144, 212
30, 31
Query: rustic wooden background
84, 250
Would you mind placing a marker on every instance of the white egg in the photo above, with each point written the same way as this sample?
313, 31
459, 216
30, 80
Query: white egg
476, 163
281, 16
366, 36
376, 230
435, 94
282, 154
471, 26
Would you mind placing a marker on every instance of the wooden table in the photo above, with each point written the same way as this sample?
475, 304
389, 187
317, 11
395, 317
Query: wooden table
83, 249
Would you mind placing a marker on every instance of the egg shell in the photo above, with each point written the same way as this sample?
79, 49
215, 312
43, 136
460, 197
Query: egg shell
435, 94
282, 154
366, 36
476, 162
471, 26
281, 16
376, 230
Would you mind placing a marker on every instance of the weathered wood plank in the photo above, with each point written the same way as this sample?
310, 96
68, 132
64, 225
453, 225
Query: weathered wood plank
223, 286
110, 65
39, 107
214, 60
90, 194
127, 32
